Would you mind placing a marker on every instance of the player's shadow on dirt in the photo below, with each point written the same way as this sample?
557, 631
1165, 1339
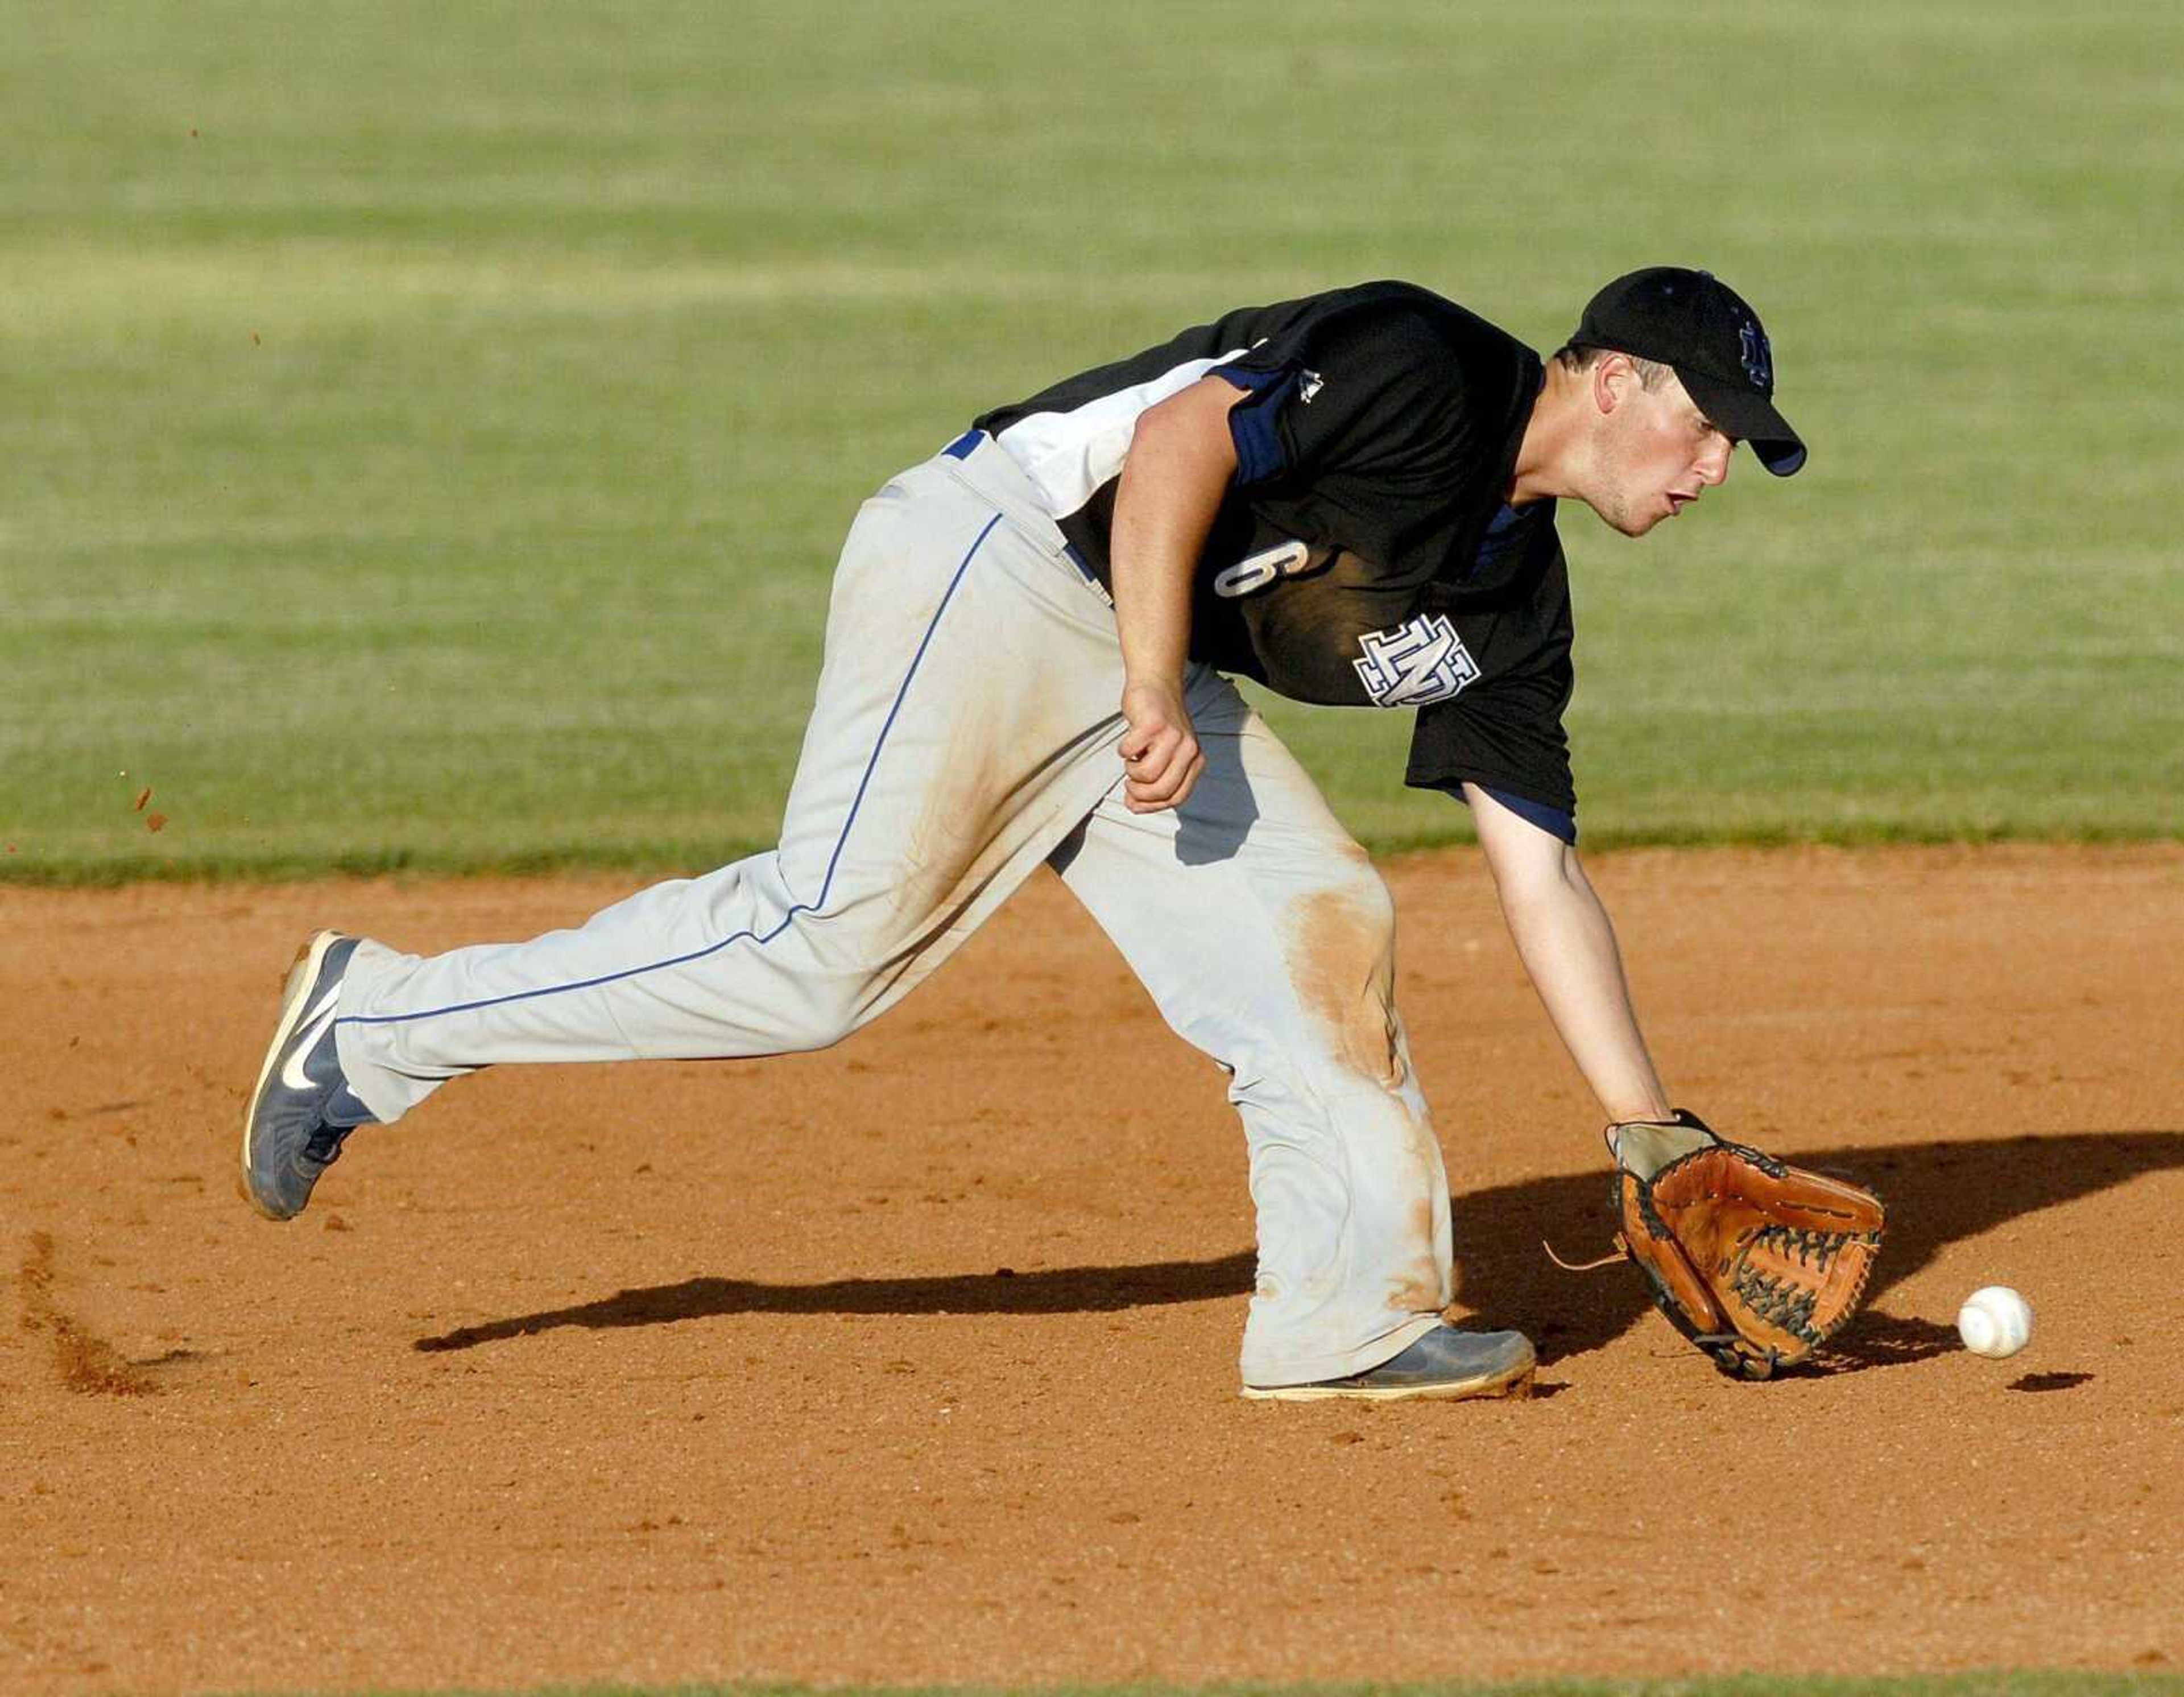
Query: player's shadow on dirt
1051, 1289
1935, 1192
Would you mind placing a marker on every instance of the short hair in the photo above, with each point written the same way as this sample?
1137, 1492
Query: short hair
1581, 356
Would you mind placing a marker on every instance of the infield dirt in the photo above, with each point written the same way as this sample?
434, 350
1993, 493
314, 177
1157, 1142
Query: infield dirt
914, 1360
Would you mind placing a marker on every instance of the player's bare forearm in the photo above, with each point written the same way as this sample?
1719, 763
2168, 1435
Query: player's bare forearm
1180, 465
1567, 944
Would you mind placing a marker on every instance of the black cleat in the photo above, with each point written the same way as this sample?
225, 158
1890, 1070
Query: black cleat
1445, 1363
302, 1106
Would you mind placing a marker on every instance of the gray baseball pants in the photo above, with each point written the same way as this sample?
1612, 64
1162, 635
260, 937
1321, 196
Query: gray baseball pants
965, 731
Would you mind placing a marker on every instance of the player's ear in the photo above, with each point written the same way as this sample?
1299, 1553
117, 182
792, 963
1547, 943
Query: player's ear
1613, 376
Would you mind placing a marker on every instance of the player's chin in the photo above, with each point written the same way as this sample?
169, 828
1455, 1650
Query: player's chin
1629, 521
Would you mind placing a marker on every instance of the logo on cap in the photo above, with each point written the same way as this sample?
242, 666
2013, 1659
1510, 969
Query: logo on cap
1759, 358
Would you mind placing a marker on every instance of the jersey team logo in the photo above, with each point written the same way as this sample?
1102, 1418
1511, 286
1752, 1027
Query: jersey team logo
1419, 661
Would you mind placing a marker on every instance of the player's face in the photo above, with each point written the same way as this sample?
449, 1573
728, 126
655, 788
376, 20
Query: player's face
1658, 454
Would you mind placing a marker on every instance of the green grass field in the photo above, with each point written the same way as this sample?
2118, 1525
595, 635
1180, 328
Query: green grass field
429, 427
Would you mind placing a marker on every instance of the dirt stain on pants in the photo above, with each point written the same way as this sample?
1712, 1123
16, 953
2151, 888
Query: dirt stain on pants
1342, 963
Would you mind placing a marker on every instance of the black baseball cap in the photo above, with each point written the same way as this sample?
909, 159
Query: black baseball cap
1696, 324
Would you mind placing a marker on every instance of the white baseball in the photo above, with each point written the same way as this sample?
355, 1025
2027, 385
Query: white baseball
1995, 1321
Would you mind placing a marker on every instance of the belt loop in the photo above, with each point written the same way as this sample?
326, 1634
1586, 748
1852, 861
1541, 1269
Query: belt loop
1076, 558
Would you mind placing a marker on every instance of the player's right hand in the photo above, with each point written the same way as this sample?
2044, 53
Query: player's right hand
1161, 757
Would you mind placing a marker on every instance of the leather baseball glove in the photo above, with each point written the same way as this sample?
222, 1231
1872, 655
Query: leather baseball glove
1755, 1261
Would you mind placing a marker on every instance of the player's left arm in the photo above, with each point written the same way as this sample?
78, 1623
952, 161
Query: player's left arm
1180, 465
1563, 936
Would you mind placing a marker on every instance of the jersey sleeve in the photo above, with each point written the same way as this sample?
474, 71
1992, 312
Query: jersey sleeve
1552, 820
1370, 385
1506, 737
1505, 733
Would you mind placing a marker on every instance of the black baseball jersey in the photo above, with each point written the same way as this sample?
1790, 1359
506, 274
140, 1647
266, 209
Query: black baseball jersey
1363, 555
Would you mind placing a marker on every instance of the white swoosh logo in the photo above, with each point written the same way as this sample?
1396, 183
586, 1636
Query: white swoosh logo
307, 1039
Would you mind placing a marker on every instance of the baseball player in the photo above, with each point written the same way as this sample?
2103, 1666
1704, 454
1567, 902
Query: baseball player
1349, 497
